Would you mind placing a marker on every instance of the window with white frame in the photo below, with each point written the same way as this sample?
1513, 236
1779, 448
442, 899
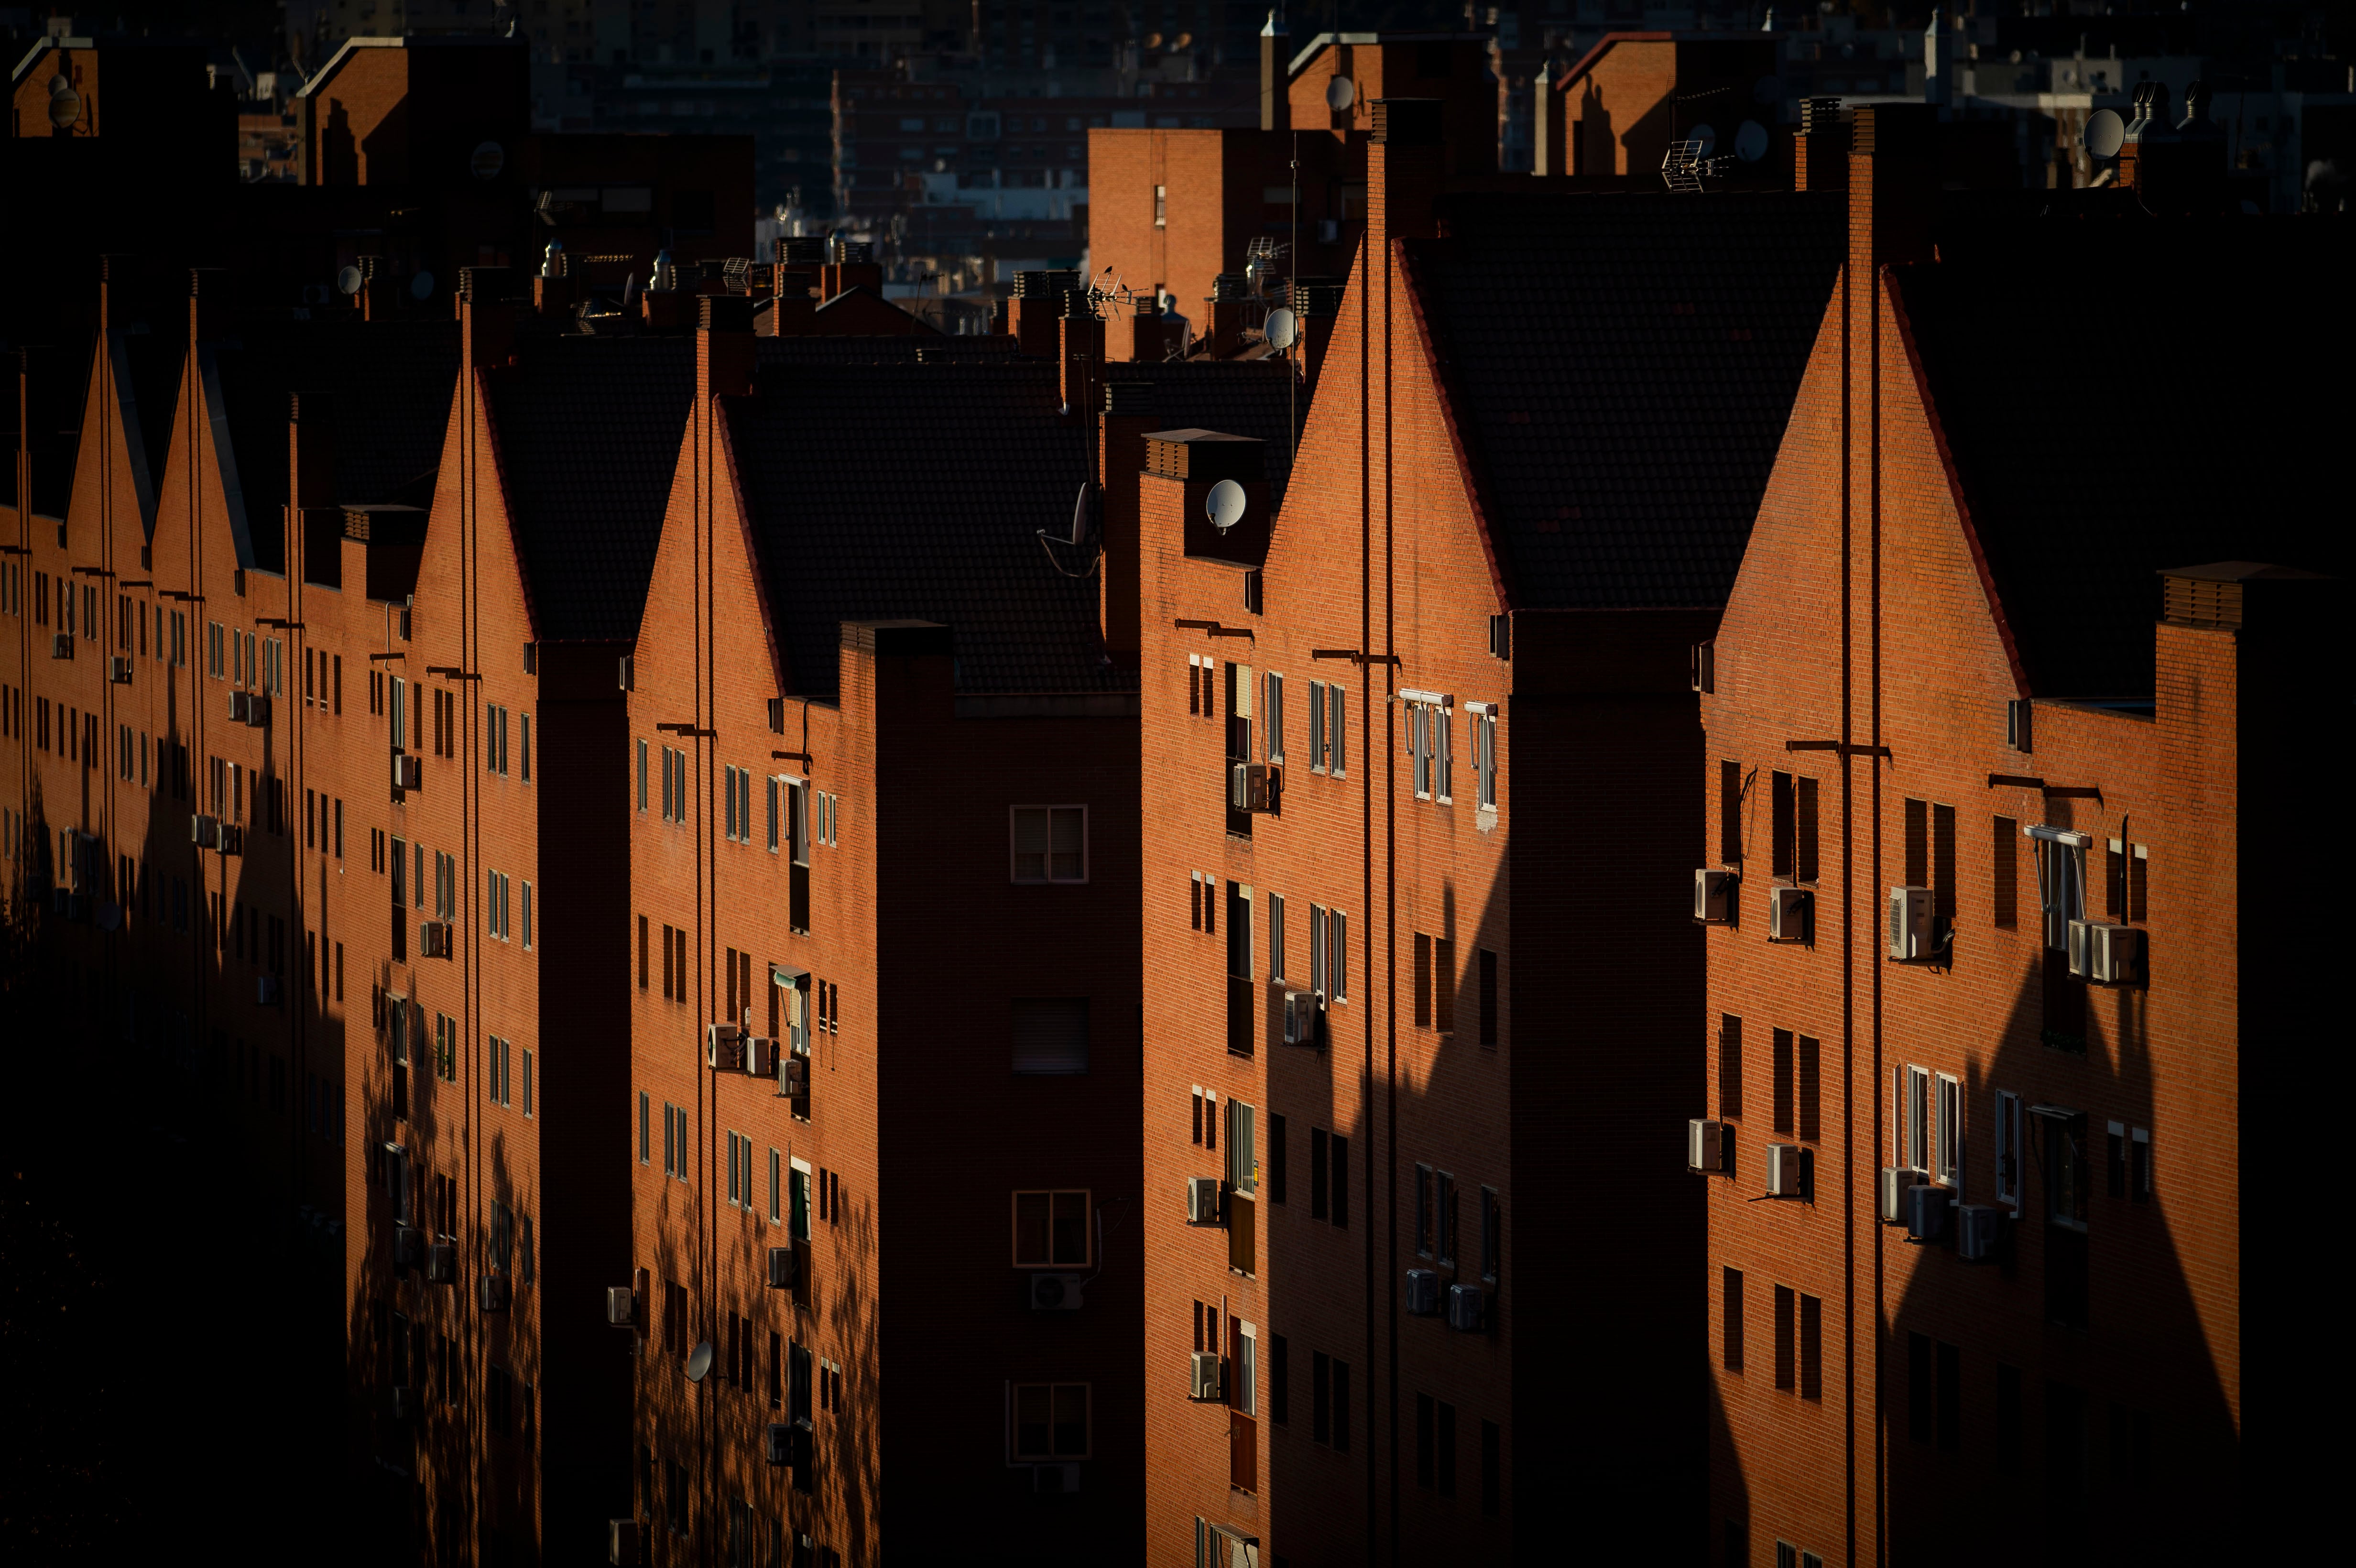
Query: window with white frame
1428, 723
1243, 1156
1272, 720
1049, 844
1950, 1149
1328, 953
1317, 726
1911, 1124
2060, 879
1482, 718
1275, 936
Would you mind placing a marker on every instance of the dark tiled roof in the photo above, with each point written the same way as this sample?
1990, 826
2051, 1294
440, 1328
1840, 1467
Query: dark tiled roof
1621, 368
896, 349
2122, 398
589, 436
1234, 397
391, 384
915, 491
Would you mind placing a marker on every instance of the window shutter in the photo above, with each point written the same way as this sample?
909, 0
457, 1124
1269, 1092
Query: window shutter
1051, 1036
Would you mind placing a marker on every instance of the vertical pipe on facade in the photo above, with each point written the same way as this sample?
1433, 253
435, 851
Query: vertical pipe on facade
1848, 954
1366, 802
1873, 697
1390, 1296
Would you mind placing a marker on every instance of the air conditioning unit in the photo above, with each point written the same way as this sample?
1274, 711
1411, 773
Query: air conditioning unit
1210, 1382
1422, 1292
1926, 1212
724, 1049
793, 1075
442, 1264
1467, 1308
622, 1542
205, 832
1980, 1231
785, 1268
257, 710
237, 707
407, 1246
118, 669
233, 838
621, 1306
1787, 913
408, 772
1786, 1170
787, 1443
1203, 1200
1255, 786
1910, 924
2107, 954
1055, 1292
491, 1293
1895, 1181
433, 938
760, 1056
265, 990
1304, 1017
1714, 896
1705, 1144
61, 645
1055, 1480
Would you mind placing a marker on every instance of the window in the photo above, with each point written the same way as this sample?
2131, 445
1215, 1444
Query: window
1482, 717
1051, 1035
1783, 1075
1812, 1348
1328, 948
1730, 813
527, 895
1949, 1152
2139, 1165
2125, 880
1051, 1229
1786, 1338
1273, 717
1243, 1159
1492, 1234
1051, 1420
1811, 1077
1423, 1210
1275, 936
1050, 844
1729, 1067
1162, 207
1912, 1113
2007, 1147
494, 739
777, 1212
1427, 721
1329, 1401
526, 718
642, 775
1444, 1223
1730, 1336
1336, 728
2004, 875
1317, 726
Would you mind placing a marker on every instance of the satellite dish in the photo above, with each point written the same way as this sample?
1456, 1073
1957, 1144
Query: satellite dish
1706, 139
1283, 328
488, 159
1751, 142
699, 1362
1225, 504
1084, 513
2105, 133
1339, 93
64, 105
349, 281
421, 287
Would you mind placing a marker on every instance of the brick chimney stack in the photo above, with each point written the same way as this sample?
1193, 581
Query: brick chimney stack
1275, 76
1149, 338
1039, 306
1129, 415
314, 524
486, 317
1820, 151
1229, 293
723, 347
552, 290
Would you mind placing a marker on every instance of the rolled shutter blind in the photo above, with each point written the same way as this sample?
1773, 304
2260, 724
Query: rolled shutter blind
1051, 1035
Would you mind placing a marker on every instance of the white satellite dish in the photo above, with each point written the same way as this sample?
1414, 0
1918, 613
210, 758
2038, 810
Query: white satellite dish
1283, 328
350, 280
1751, 142
1084, 514
2105, 133
1339, 93
421, 287
1225, 504
1705, 140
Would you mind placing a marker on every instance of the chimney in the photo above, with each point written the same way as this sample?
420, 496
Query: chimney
2174, 169
1039, 306
210, 292
376, 294
1820, 152
1938, 59
854, 265
1083, 355
486, 318
315, 525
552, 292
1893, 183
1129, 415
724, 345
1546, 149
1229, 293
1403, 160
1317, 303
1148, 339
1275, 76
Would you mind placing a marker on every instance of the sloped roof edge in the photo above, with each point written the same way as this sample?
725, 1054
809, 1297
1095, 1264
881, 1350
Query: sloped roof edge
1444, 393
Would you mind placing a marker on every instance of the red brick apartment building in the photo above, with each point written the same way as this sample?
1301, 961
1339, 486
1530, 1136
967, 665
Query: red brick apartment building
2005, 716
1408, 738
883, 776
